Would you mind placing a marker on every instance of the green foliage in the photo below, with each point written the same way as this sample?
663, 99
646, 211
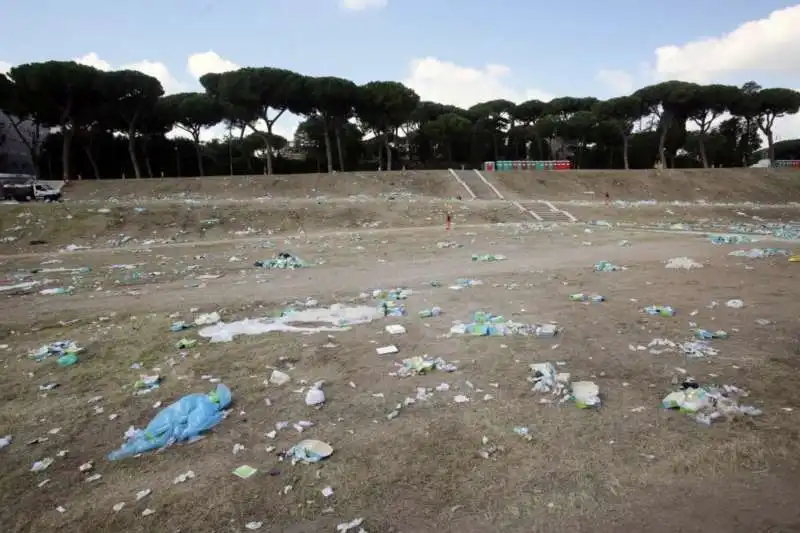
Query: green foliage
632, 131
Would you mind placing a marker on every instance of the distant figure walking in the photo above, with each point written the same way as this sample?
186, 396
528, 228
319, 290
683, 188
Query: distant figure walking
608, 199
448, 221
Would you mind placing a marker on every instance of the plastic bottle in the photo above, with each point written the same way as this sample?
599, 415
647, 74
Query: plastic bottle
427, 313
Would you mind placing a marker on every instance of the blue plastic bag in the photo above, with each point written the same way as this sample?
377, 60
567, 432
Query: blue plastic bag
187, 418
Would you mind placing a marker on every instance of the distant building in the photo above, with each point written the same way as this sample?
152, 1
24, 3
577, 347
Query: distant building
15, 157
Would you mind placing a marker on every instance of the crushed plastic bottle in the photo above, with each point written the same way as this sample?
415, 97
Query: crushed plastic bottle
428, 313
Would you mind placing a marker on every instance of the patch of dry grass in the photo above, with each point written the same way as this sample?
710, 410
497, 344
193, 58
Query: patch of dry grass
582, 470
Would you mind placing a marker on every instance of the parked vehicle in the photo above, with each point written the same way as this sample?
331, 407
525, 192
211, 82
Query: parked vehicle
31, 191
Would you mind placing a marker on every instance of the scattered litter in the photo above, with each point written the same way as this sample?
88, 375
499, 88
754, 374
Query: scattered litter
183, 478
143, 494
428, 313
760, 253
487, 324
698, 349
462, 283
704, 334
186, 344
183, 420
57, 290
147, 384
118, 507
582, 297
339, 317
327, 492
315, 396
5, 441
148, 512
252, 526
244, 471
585, 394
60, 349
309, 451
735, 304
660, 310
605, 266
283, 261
683, 262
709, 404
414, 366
207, 319
489, 258
730, 239
347, 526
461, 399
279, 378
42, 465
395, 329
387, 350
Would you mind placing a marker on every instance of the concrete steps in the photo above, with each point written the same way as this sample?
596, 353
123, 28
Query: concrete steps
544, 211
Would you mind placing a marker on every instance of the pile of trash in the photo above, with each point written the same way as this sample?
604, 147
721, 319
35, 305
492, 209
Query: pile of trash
389, 299
683, 262
66, 352
546, 379
730, 239
760, 253
489, 325
414, 366
283, 261
710, 403
605, 266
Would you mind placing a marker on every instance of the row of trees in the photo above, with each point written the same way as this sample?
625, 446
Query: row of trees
90, 107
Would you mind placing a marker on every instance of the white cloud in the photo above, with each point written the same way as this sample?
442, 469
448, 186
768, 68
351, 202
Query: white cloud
152, 68
618, 82
765, 45
754, 49
448, 83
362, 5
208, 62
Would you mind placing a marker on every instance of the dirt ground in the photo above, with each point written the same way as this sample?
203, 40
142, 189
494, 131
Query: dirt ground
629, 465
619, 468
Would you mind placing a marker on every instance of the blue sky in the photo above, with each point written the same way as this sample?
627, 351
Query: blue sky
442, 48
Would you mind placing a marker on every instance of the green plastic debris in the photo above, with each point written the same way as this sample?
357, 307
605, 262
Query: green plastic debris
185, 344
245, 471
67, 359
489, 258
